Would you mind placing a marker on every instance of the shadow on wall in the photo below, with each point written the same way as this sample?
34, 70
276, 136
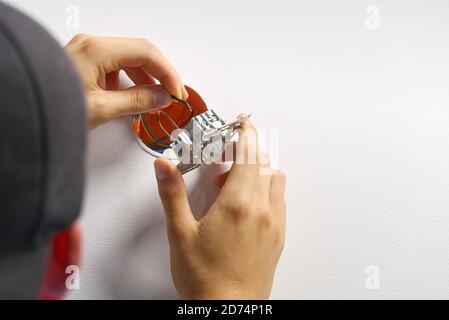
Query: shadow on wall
144, 269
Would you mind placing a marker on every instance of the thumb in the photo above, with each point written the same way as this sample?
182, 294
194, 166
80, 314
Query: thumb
173, 194
134, 100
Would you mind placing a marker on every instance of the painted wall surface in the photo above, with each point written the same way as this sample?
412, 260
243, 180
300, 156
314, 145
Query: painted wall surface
358, 92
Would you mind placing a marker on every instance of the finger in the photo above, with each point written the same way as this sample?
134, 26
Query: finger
229, 152
263, 185
277, 193
172, 192
245, 170
134, 100
139, 76
220, 180
118, 53
227, 156
112, 80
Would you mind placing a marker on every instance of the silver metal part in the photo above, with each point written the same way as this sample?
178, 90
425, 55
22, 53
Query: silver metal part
204, 140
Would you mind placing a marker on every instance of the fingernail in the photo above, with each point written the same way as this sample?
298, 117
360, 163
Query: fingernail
161, 97
264, 159
185, 94
161, 169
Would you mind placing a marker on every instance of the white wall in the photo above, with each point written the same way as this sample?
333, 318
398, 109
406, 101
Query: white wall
363, 122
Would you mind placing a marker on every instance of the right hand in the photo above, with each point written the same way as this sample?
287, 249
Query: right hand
99, 61
232, 252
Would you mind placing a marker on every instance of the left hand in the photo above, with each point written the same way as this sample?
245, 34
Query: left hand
99, 60
232, 252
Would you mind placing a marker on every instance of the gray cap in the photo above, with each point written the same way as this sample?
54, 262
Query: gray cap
42, 148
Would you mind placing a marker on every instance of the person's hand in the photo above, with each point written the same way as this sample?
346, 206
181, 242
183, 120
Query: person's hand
99, 60
232, 252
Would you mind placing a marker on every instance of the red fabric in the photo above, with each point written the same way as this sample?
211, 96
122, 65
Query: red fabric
65, 252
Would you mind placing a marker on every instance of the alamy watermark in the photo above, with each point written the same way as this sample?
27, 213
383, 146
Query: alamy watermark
72, 282
253, 147
372, 20
72, 20
372, 281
